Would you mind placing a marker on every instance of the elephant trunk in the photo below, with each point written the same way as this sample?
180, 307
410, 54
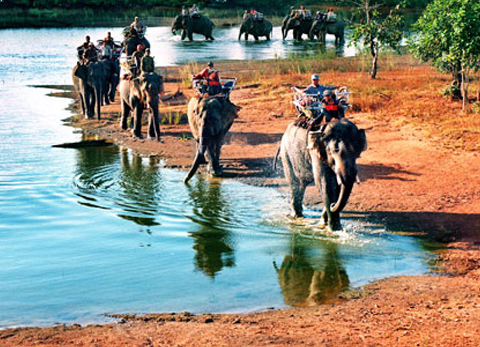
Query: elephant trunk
345, 190
199, 159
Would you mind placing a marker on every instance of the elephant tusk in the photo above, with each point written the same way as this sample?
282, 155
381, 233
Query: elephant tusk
339, 180
357, 179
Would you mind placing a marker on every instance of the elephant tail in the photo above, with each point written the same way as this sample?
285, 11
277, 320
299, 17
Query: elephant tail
275, 159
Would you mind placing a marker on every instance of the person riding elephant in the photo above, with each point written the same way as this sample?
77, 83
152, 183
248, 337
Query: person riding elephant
299, 26
147, 64
255, 27
321, 28
88, 81
136, 95
327, 158
210, 119
132, 38
201, 25
208, 81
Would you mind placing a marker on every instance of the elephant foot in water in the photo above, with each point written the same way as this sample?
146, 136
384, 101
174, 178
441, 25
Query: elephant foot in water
216, 173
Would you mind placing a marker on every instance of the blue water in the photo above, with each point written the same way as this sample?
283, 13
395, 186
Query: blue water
94, 231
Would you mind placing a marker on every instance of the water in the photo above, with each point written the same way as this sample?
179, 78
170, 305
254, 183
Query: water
100, 230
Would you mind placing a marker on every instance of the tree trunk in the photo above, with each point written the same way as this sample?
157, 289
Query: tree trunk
374, 51
464, 87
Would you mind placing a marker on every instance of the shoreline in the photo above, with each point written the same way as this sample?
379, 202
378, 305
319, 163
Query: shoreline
405, 184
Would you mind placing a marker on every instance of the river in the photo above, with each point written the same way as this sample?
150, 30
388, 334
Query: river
89, 232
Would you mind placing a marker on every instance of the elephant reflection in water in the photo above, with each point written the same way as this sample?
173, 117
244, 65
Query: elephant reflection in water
141, 189
135, 188
212, 241
304, 283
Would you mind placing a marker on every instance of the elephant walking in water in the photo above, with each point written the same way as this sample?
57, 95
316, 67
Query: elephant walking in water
255, 28
321, 28
327, 158
89, 81
210, 119
201, 25
299, 26
137, 95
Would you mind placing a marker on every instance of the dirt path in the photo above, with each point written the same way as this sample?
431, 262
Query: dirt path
409, 182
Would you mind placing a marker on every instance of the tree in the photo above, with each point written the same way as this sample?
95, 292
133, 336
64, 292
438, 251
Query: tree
375, 31
449, 37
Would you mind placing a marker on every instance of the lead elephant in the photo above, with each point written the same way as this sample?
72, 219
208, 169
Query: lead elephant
210, 119
321, 28
88, 81
327, 158
299, 26
137, 95
201, 25
255, 28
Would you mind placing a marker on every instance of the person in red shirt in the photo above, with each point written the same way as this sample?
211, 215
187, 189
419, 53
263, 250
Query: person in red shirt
211, 80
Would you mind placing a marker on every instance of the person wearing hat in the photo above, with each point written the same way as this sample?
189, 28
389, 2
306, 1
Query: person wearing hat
90, 54
147, 64
317, 88
211, 80
106, 50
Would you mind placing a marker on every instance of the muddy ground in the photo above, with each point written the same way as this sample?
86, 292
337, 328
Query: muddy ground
410, 183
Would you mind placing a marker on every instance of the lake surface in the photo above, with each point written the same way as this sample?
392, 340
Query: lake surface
101, 230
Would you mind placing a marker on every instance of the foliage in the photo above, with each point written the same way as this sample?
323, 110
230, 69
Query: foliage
375, 31
449, 37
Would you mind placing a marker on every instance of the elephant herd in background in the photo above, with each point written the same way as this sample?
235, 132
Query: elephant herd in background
262, 28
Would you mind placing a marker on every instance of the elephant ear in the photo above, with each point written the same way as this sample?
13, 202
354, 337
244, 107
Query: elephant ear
81, 71
137, 88
316, 144
361, 143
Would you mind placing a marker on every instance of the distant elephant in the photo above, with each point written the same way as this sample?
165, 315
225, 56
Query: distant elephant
88, 81
201, 25
112, 78
321, 28
284, 25
327, 158
138, 94
255, 28
299, 26
210, 119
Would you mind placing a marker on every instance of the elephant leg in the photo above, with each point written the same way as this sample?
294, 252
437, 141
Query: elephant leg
154, 125
217, 168
98, 101
125, 113
190, 36
184, 34
256, 37
82, 104
246, 36
137, 121
298, 192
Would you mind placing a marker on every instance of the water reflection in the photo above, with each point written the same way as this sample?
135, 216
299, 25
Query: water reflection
213, 244
309, 278
113, 179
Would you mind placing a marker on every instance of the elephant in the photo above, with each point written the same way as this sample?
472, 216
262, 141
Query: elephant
321, 28
210, 119
284, 24
130, 44
255, 28
138, 94
201, 25
299, 26
327, 158
112, 78
88, 81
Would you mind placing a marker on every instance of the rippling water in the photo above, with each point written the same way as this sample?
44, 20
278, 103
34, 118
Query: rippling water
100, 230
